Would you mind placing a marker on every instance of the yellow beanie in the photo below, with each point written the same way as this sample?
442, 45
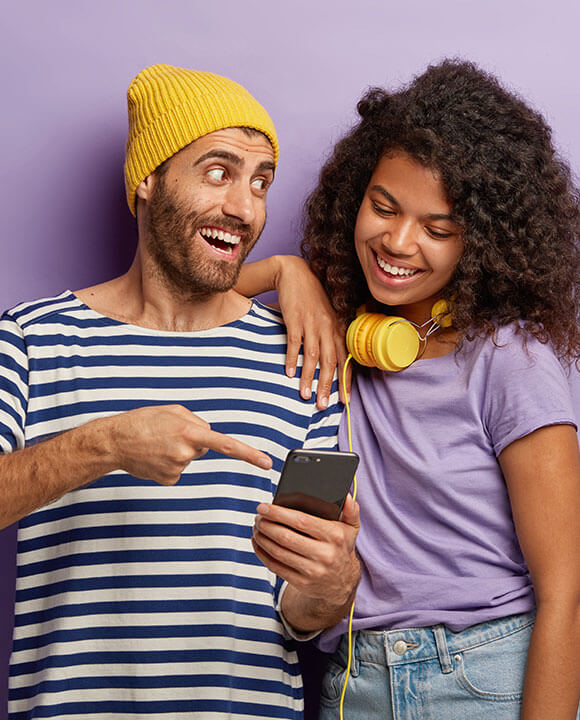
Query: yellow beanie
169, 107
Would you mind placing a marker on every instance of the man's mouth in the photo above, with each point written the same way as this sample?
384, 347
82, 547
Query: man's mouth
396, 270
220, 239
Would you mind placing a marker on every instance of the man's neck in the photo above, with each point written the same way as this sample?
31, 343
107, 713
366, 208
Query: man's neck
139, 298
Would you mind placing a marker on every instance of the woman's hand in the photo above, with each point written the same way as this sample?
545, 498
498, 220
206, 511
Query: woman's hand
309, 318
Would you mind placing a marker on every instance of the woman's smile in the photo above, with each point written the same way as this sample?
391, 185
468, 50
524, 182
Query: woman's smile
395, 270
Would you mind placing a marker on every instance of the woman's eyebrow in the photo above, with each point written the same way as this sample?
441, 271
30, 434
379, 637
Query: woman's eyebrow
431, 216
439, 216
380, 189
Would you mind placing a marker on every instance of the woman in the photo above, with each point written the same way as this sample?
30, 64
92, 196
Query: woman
469, 483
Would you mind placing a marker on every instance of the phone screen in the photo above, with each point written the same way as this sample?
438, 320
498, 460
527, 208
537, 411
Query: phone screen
316, 481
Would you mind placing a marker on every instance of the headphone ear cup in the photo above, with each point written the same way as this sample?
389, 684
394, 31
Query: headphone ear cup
395, 344
359, 338
441, 312
386, 342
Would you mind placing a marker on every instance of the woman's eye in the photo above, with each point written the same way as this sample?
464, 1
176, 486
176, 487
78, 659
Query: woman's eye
439, 234
217, 173
382, 210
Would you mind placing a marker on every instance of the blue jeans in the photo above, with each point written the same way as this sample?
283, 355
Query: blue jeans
432, 673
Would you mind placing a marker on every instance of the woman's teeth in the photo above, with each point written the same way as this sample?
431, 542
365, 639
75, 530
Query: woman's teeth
394, 270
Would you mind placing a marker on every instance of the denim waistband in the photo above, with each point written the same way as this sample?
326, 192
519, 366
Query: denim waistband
398, 647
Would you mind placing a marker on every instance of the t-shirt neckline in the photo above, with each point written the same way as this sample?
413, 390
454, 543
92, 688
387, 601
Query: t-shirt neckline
255, 305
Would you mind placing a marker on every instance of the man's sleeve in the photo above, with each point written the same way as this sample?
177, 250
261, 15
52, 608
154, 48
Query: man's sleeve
322, 434
13, 385
323, 430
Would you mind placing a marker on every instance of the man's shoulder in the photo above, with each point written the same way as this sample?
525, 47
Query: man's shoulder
264, 320
41, 310
267, 313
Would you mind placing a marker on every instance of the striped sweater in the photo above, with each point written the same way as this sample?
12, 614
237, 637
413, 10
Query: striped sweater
136, 599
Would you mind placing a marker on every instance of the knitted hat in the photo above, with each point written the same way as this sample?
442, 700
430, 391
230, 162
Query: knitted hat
169, 107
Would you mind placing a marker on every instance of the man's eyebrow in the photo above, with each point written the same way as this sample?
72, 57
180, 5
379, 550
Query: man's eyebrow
432, 216
266, 165
219, 155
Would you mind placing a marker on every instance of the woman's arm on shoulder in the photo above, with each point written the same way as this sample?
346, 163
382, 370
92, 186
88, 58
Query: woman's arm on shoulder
308, 315
542, 472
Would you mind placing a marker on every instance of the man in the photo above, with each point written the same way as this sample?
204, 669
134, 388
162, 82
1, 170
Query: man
130, 416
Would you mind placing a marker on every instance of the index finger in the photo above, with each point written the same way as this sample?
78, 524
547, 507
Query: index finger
327, 363
294, 333
227, 445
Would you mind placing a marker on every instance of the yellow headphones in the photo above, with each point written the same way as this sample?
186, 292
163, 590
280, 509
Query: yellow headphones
388, 343
392, 343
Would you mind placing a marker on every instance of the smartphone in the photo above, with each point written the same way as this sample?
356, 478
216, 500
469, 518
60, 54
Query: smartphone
316, 481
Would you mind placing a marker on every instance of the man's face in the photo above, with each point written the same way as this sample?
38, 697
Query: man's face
206, 210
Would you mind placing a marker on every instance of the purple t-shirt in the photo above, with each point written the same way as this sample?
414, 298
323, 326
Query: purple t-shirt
437, 540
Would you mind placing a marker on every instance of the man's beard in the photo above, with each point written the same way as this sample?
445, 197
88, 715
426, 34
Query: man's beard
188, 270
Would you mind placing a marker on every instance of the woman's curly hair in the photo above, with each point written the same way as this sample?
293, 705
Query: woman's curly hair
511, 194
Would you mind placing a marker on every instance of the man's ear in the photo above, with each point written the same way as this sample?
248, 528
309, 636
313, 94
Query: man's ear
145, 187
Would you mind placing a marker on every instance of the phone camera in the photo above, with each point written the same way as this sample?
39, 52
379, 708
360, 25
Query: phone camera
301, 459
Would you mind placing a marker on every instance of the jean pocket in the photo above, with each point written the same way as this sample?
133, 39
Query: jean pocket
332, 683
494, 671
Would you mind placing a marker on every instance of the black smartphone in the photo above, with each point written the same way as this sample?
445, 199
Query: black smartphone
316, 481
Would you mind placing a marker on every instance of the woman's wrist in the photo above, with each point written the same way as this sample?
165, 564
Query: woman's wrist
282, 264
276, 270
259, 276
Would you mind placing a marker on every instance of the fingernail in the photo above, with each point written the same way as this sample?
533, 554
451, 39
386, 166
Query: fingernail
291, 371
265, 463
263, 509
306, 393
324, 402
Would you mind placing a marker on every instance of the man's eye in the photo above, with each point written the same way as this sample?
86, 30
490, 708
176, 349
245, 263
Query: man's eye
217, 173
259, 184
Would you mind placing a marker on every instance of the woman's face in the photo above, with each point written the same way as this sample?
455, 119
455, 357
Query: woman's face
405, 240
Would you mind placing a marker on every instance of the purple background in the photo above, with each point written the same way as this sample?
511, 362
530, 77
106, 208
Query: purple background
67, 63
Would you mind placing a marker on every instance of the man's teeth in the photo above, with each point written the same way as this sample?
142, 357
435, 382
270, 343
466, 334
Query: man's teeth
224, 236
394, 270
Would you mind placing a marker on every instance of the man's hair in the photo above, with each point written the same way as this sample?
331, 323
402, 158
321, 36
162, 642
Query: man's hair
510, 193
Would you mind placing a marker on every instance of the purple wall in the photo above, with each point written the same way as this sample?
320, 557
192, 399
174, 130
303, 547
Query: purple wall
66, 65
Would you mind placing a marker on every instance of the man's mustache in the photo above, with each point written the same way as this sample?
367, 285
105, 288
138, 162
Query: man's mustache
222, 223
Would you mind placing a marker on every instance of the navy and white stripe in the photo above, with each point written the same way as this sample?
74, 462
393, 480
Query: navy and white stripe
133, 598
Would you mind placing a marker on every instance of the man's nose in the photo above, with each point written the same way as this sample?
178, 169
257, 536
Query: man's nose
239, 202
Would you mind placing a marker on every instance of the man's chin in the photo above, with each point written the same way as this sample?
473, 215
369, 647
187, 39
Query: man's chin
196, 287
